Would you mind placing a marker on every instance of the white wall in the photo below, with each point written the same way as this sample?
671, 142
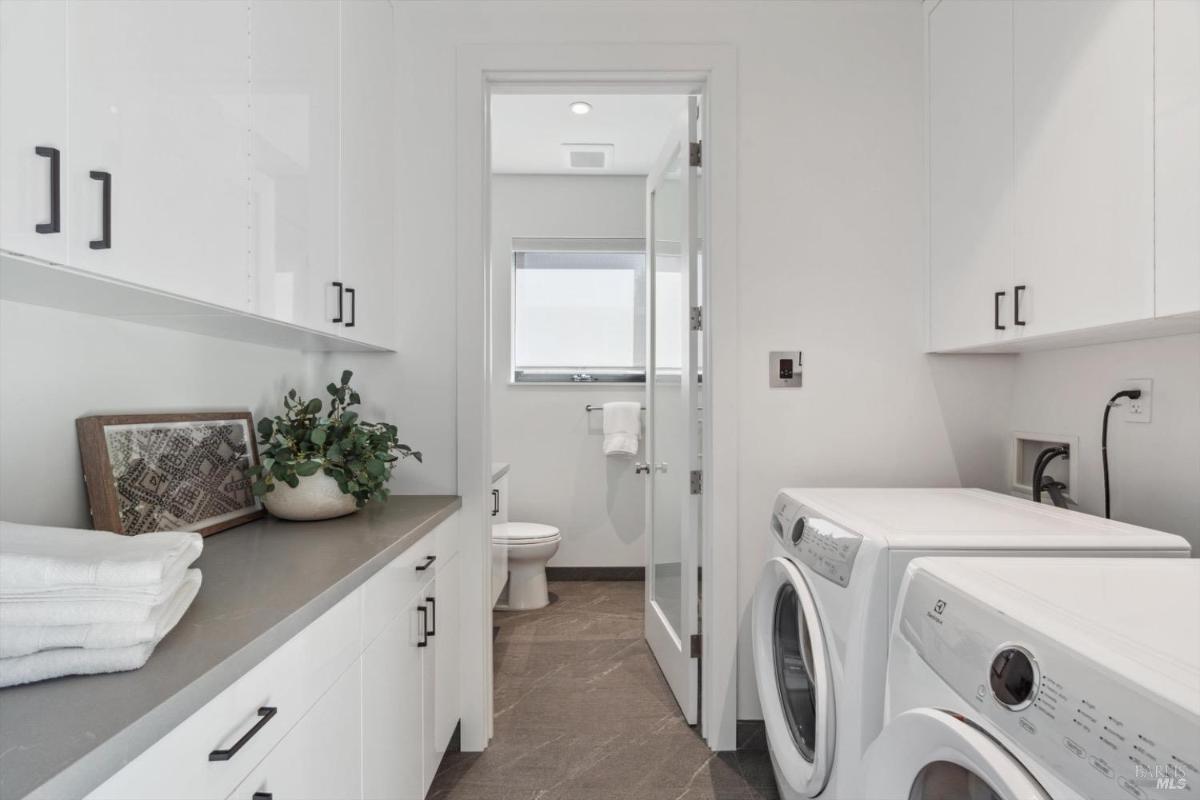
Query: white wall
830, 248
1154, 467
559, 474
56, 366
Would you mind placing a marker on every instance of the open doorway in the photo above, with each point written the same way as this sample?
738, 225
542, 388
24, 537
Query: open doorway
596, 410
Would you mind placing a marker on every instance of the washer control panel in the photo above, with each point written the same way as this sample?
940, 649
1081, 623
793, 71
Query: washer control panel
824, 547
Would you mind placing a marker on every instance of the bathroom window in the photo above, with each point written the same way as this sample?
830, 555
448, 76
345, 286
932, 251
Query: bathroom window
579, 310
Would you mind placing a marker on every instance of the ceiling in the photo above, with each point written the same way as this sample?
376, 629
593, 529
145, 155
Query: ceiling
529, 131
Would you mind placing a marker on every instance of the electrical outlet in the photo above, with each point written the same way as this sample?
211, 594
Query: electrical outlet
1138, 410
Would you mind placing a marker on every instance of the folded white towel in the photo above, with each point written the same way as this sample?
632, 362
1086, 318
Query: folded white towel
86, 607
37, 560
21, 640
622, 428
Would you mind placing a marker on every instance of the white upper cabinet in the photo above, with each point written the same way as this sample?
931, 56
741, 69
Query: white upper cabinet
970, 172
368, 174
33, 128
1177, 155
1083, 78
158, 118
294, 150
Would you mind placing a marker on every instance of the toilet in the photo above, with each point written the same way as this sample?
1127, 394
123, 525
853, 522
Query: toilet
530, 545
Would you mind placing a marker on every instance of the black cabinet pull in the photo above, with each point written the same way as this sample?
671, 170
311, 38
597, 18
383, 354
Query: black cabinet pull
105, 240
265, 713
432, 630
340, 289
428, 563
495, 502
424, 640
1017, 290
996, 311
55, 223
353, 308
262, 796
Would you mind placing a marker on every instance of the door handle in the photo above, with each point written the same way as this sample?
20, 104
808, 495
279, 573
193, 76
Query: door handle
996, 311
428, 563
105, 240
424, 629
432, 629
641, 468
265, 714
1017, 292
341, 289
495, 502
353, 308
262, 796
55, 223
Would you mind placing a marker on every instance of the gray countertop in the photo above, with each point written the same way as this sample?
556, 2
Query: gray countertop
263, 583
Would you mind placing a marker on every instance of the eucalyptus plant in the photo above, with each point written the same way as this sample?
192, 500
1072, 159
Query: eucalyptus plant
358, 455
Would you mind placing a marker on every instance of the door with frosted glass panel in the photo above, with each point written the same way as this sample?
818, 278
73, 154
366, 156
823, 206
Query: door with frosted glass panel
672, 418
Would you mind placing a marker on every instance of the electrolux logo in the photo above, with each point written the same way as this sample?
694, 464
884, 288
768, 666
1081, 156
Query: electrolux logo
939, 607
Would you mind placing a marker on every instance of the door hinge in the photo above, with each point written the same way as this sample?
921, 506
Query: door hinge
697, 318
695, 154
697, 482
696, 645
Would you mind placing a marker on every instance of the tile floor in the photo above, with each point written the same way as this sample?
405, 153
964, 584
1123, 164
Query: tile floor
582, 713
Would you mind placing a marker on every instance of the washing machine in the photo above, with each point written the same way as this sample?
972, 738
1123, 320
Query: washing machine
826, 598
1042, 679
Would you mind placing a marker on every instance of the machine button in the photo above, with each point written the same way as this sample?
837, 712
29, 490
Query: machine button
1013, 678
1129, 786
1074, 748
1027, 725
1101, 766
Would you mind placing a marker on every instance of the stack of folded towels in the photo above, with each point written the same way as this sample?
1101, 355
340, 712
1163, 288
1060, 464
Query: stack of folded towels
79, 602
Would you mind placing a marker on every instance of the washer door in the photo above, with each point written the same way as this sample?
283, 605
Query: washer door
928, 754
795, 684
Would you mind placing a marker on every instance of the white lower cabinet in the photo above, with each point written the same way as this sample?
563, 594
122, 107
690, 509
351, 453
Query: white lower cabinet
360, 704
319, 759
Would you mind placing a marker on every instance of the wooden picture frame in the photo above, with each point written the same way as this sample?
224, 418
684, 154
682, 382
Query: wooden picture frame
182, 471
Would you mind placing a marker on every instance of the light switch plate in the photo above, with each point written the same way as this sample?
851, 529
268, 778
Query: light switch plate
1138, 410
786, 369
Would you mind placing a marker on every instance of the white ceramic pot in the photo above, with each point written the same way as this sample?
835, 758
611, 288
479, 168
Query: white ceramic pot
317, 497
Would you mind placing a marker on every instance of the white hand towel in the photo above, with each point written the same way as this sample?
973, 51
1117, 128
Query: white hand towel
85, 607
38, 560
622, 428
21, 640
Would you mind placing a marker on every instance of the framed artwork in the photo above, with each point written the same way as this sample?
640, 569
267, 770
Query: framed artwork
164, 472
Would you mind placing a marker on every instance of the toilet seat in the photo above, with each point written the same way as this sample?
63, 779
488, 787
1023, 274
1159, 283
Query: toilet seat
524, 533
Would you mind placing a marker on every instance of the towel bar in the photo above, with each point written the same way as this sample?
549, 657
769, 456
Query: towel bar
590, 407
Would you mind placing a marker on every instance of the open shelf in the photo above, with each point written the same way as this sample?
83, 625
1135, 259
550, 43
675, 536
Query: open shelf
41, 283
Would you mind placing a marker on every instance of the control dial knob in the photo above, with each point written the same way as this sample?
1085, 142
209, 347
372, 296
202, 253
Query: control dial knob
798, 529
1013, 677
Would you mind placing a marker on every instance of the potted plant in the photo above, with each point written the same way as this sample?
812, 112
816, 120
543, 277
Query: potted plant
316, 466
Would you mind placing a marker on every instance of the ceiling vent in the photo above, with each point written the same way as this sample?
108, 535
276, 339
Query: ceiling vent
588, 157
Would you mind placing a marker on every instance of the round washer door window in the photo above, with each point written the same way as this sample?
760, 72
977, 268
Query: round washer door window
791, 666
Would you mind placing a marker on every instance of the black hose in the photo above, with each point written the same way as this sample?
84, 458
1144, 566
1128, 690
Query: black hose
1039, 467
1132, 394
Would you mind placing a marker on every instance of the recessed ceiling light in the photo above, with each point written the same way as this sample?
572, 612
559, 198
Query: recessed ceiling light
580, 107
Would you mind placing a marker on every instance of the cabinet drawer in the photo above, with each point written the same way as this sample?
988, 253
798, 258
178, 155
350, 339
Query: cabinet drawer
290, 680
388, 591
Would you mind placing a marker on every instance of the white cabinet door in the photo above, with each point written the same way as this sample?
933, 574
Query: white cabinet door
1084, 136
447, 653
320, 758
499, 551
294, 159
368, 178
158, 101
392, 703
971, 172
1177, 156
33, 115
430, 752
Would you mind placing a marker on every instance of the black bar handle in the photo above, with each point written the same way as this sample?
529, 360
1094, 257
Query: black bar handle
55, 223
424, 640
1017, 290
265, 713
495, 502
340, 289
996, 311
353, 308
262, 796
428, 563
105, 240
432, 629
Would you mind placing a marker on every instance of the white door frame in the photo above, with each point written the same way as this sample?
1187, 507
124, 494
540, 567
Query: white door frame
710, 69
